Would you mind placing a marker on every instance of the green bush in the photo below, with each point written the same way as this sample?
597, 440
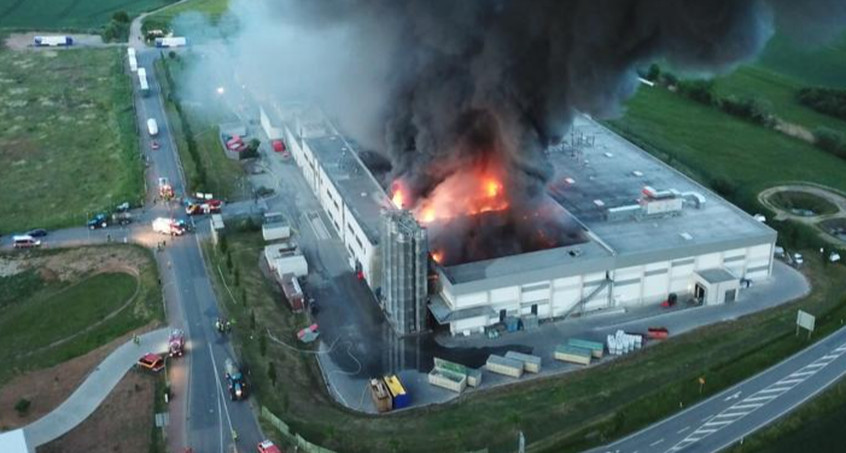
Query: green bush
747, 108
699, 90
829, 101
22, 406
831, 141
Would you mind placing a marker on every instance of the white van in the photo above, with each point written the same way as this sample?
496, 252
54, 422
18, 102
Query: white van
152, 127
25, 241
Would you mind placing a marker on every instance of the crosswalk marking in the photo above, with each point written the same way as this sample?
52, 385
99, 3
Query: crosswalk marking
760, 398
829, 357
816, 365
789, 381
776, 389
802, 373
747, 406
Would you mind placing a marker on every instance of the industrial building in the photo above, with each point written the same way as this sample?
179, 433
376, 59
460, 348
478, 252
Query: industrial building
650, 231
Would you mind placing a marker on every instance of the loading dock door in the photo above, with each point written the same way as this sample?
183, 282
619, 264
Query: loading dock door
502, 314
535, 309
699, 292
731, 295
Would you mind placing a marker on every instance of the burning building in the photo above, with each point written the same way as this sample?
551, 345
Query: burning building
613, 229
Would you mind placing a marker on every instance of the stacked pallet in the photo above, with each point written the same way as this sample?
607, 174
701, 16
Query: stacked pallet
623, 343
531, 363
596, 348
474, 377
447, 379
573, 354
507, 367
380, 395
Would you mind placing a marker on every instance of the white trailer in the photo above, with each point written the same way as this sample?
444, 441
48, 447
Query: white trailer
52, 41
275, 227
152, 127
172, 41
291, 264
142, 81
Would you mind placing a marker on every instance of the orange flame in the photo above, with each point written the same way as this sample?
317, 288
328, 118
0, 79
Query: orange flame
397, 198
438, 256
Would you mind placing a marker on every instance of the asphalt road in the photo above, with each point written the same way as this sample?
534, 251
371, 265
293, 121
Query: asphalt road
211, 418
735, 413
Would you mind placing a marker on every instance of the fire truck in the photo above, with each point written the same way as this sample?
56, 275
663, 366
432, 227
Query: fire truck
176, 343
165, 189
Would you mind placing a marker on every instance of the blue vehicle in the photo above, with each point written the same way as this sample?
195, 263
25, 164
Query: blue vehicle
235, 381
99, 221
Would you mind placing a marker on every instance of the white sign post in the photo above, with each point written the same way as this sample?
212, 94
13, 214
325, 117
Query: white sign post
805, 321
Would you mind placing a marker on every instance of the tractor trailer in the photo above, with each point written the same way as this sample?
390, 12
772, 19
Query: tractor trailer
52, 41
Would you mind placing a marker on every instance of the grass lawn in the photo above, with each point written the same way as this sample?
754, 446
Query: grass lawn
69, 14
778, 91
224, 175
814, 66
37, 309
815, 426
691, 136
68, 145
559, 414
211, 10
804, 201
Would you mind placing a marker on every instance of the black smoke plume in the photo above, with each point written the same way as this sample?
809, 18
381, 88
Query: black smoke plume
457, 78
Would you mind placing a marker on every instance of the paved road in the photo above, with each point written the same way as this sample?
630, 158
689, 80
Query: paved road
733, 414
88, 396
211, 416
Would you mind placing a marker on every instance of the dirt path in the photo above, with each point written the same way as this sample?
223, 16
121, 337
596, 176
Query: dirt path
47, 388
833, 196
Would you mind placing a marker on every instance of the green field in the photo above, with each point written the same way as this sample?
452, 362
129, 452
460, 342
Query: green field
69, 14
68, 146
804, 201
224, 176
778, 92
212, 10
560, 414
824, 65
711, 145
45, 321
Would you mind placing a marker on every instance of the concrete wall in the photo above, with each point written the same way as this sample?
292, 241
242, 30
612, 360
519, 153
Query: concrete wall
341, 219
632, 286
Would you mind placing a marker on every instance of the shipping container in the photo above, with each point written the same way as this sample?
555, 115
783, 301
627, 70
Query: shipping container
474, 377
293, 292
531, 363
152, 127
573, 354
133, 64
596, 348
172, 41
400, 397
504, 366
380, 396
658, 333
448, 379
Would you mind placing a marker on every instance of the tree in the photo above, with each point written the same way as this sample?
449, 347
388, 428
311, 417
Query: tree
252, 320
229, 261
222, 243
121, 17
263, 344
654, 72
271, 373
237, 277
244, 296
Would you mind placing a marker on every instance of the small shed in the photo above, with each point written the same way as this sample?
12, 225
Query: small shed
716, 286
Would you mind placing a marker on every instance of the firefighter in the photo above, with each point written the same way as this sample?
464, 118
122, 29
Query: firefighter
228, 326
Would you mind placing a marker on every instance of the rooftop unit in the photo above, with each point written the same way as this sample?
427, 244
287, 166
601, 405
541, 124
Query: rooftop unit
405, 258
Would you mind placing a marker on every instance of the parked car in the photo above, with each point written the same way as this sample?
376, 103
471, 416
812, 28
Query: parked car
98, 221
37, 233
267, 446
155, 145
25, 242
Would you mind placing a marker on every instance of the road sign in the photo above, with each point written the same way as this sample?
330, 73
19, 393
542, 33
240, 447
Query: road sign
805, 321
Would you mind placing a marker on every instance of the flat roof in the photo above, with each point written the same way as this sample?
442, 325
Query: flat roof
606, 167
597, 170
717, 275
359, 190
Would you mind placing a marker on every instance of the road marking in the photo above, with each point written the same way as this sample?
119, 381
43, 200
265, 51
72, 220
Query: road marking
683, 430
789, 381
220, 394
803, 373
718, 423
747, 406
704, 431
733, 396
656, 442
830, 357
777, 389
731, 414
760, 398
707, 418
816, 365
841, 349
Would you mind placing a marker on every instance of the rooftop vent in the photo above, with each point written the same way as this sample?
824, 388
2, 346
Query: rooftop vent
686, 236
599, 203
609, 155
637, 173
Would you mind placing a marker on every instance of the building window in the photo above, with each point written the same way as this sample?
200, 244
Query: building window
360, 245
